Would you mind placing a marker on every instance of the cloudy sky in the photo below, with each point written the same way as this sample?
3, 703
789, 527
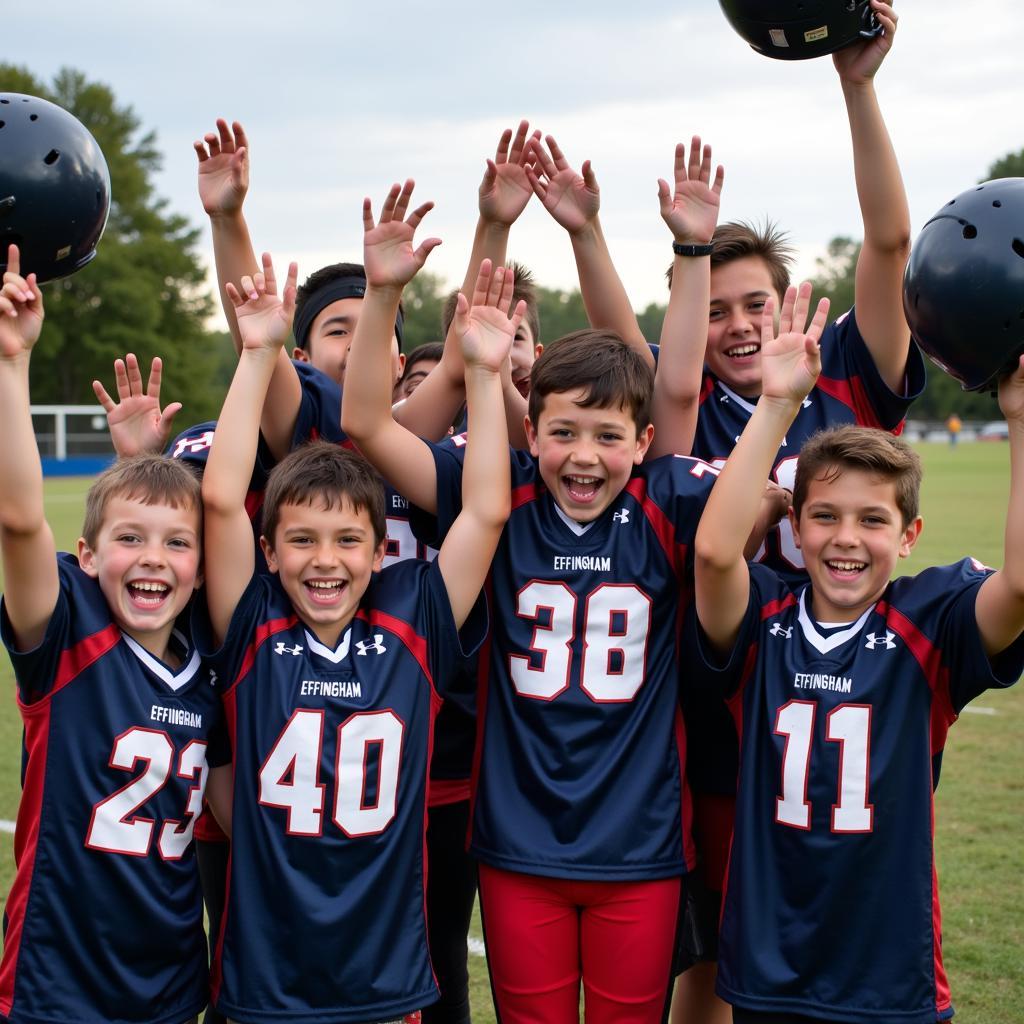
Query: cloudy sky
340, 99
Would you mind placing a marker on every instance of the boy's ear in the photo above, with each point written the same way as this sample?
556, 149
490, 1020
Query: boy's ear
300, 354
531, 436
87, 559
378, 555
794, 523
537, 350
268, 554
643, 442
911, 533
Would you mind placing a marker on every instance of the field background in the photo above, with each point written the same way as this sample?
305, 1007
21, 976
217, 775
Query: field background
980, 802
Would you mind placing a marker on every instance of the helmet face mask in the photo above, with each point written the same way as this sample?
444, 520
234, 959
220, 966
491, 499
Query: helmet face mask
963, 291
54, 187
801, 29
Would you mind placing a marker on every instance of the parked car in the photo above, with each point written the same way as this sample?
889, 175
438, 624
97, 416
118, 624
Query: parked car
997, 430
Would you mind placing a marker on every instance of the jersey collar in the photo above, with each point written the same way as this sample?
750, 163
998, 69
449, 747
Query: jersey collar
825, 644
174, 680
335, 656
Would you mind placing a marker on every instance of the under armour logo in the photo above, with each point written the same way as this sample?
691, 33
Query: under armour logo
622, 516
376, 645
872, 641
283, 648
213, 678
778, 629
806, 403
723, 398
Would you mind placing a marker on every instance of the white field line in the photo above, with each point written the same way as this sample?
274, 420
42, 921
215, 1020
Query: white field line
6, 826
476, 946
979, 711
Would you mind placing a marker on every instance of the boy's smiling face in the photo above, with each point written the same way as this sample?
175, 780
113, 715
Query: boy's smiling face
738, 292
146, 560
851, 533
324, 557
585, 455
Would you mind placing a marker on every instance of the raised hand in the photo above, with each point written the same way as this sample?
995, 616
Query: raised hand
858, 64
223, 168
21, 309
264, 318
791, 359
388, 255
484, 329
691, 211
505, 189
135, 421
572, 198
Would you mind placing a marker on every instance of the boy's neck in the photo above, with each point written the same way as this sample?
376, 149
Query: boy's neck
158, 643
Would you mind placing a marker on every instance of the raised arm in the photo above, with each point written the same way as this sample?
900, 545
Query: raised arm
29, 557
390, 262
485, 334
223, 185
504, 193
791, 363
691, 213
573, 200
883, 203
264, 323
1000, 604
136, 422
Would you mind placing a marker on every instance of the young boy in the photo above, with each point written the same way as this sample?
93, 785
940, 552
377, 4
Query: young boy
328, 670
843, 692
870, 376
580, 805
104, 921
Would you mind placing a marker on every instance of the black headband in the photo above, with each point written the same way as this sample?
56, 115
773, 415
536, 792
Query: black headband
351, 287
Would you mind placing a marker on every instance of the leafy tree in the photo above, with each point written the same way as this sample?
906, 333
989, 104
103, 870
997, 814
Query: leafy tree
1009, 166
423, 302
145, 291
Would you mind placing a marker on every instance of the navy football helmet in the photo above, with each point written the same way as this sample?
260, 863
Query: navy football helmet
54, 187
963, 291
800, 29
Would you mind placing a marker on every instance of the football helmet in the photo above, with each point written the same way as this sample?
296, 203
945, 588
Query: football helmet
54, 187
963, 290
800, 29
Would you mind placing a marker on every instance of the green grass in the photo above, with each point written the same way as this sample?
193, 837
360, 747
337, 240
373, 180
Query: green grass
980, 803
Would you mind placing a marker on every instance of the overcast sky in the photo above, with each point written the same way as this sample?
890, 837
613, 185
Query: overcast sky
340, 99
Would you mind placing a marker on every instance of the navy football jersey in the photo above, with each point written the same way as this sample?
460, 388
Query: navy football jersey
578, 769
105, 917
831, 905
849, 390
331, 749
455, 729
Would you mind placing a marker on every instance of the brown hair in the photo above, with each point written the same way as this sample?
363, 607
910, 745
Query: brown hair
151, 479
826, 454
524, 288
738, 239
611, 373
321, 471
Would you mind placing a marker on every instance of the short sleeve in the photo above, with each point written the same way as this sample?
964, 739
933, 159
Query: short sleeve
226, 659
319, 415
849, 371
79, 631
726, 672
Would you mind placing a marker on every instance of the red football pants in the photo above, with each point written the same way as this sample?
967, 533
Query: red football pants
545, 935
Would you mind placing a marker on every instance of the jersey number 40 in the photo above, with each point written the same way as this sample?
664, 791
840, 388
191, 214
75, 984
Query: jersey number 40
368, 743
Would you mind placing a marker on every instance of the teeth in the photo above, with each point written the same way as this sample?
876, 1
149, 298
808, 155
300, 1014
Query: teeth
583, 479
744, 350
158, 587
846, 566
324, 584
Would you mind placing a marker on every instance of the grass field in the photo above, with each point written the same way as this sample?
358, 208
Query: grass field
980, 803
